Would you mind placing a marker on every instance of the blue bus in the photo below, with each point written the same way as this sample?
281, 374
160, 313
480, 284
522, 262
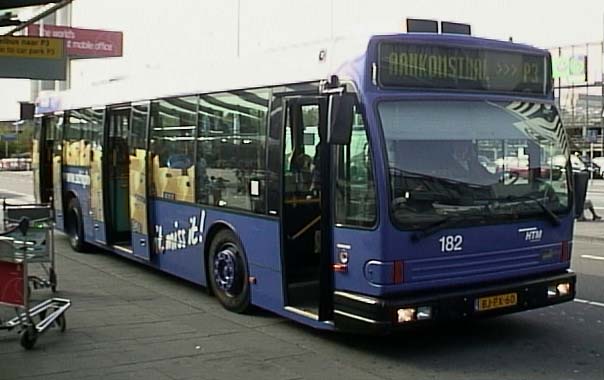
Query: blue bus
425, 178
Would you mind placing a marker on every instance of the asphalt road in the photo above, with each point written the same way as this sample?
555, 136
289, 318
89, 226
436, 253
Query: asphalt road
128, 321
595, 192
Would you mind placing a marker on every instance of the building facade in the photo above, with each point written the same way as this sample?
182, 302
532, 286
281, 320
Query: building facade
578, 72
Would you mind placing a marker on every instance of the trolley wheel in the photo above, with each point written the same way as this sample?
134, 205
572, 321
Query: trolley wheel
228, 272
75, 226
61, 322
29, 336
52, 277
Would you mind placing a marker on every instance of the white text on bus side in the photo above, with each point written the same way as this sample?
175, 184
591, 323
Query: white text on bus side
180, 238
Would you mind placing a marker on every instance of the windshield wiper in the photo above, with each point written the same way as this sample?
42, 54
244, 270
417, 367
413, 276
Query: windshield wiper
553, 218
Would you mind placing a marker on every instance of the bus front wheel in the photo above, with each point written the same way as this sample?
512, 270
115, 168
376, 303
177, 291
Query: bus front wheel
228, 272
75, 227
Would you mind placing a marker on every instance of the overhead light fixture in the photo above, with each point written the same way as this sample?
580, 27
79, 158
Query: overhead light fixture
415, 25
447, 27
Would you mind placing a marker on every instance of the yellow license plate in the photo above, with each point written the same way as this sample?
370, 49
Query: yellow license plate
496, 302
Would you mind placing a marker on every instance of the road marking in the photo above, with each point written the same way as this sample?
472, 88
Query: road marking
592, 257
17, 193
586, 302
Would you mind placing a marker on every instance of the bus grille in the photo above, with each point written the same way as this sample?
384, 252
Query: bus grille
469, 265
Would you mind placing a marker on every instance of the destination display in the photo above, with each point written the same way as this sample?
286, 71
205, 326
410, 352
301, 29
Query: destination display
462, 68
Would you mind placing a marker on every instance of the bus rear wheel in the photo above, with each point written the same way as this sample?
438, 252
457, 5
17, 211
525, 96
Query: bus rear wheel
75, 227
228, 272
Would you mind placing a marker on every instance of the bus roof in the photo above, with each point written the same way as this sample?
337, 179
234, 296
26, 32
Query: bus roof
344, 57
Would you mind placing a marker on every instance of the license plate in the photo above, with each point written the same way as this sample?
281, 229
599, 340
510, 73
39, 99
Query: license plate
496, 302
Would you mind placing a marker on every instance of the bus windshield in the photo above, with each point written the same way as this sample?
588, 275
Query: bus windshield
474, 161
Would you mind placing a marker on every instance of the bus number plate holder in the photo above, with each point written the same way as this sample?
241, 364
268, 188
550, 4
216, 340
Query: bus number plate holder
496, 302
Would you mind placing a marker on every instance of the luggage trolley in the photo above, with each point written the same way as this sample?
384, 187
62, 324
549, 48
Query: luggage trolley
17, 248
41, 230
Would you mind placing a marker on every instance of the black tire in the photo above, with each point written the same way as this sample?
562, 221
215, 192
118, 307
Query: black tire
29, 336
75, 226
61, 322
52, 278
228, 272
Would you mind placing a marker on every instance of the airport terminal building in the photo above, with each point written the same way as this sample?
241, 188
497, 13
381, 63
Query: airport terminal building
579, 91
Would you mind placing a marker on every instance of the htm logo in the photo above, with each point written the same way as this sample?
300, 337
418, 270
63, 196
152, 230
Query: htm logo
532, 234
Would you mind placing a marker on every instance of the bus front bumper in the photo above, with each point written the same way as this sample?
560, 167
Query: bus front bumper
360, 313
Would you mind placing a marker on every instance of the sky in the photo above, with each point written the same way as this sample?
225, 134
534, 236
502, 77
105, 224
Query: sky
160, 35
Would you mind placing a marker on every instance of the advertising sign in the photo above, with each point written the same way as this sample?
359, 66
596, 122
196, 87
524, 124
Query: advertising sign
570, 68
11, 284
83, 43
32, 58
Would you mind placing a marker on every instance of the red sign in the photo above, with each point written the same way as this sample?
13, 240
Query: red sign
11, 284
83, 43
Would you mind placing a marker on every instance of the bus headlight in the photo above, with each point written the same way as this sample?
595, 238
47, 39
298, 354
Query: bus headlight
563, 289
410, 314
558, 290
406, 315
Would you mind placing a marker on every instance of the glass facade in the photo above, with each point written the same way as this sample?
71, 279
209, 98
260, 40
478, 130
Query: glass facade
578, 72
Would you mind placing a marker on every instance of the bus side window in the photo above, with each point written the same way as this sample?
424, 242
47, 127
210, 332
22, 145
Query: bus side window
231, 150
301, 141
355, 187
173, 128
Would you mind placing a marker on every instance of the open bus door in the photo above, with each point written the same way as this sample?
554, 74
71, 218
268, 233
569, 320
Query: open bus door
126, 190
138, 183
97, 175
116, 170
42, 159
306, 217
55, 131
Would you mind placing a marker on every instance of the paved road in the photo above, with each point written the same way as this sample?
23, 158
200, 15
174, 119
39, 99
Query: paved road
595, 192
129, 321
16, 186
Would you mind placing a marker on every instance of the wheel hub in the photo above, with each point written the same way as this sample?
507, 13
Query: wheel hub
225, 269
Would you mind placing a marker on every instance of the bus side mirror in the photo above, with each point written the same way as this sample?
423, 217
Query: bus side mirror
340, 116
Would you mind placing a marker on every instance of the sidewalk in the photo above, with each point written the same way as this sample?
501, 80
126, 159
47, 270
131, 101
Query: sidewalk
590, 230
131, 322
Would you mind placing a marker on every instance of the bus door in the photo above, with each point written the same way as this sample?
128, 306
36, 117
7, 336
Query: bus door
116, 186
138, 184
55, 135
42, 159
36, 153
97, 175
306, 227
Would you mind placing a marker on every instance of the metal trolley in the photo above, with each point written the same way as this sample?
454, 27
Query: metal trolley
20, 246
41, 230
